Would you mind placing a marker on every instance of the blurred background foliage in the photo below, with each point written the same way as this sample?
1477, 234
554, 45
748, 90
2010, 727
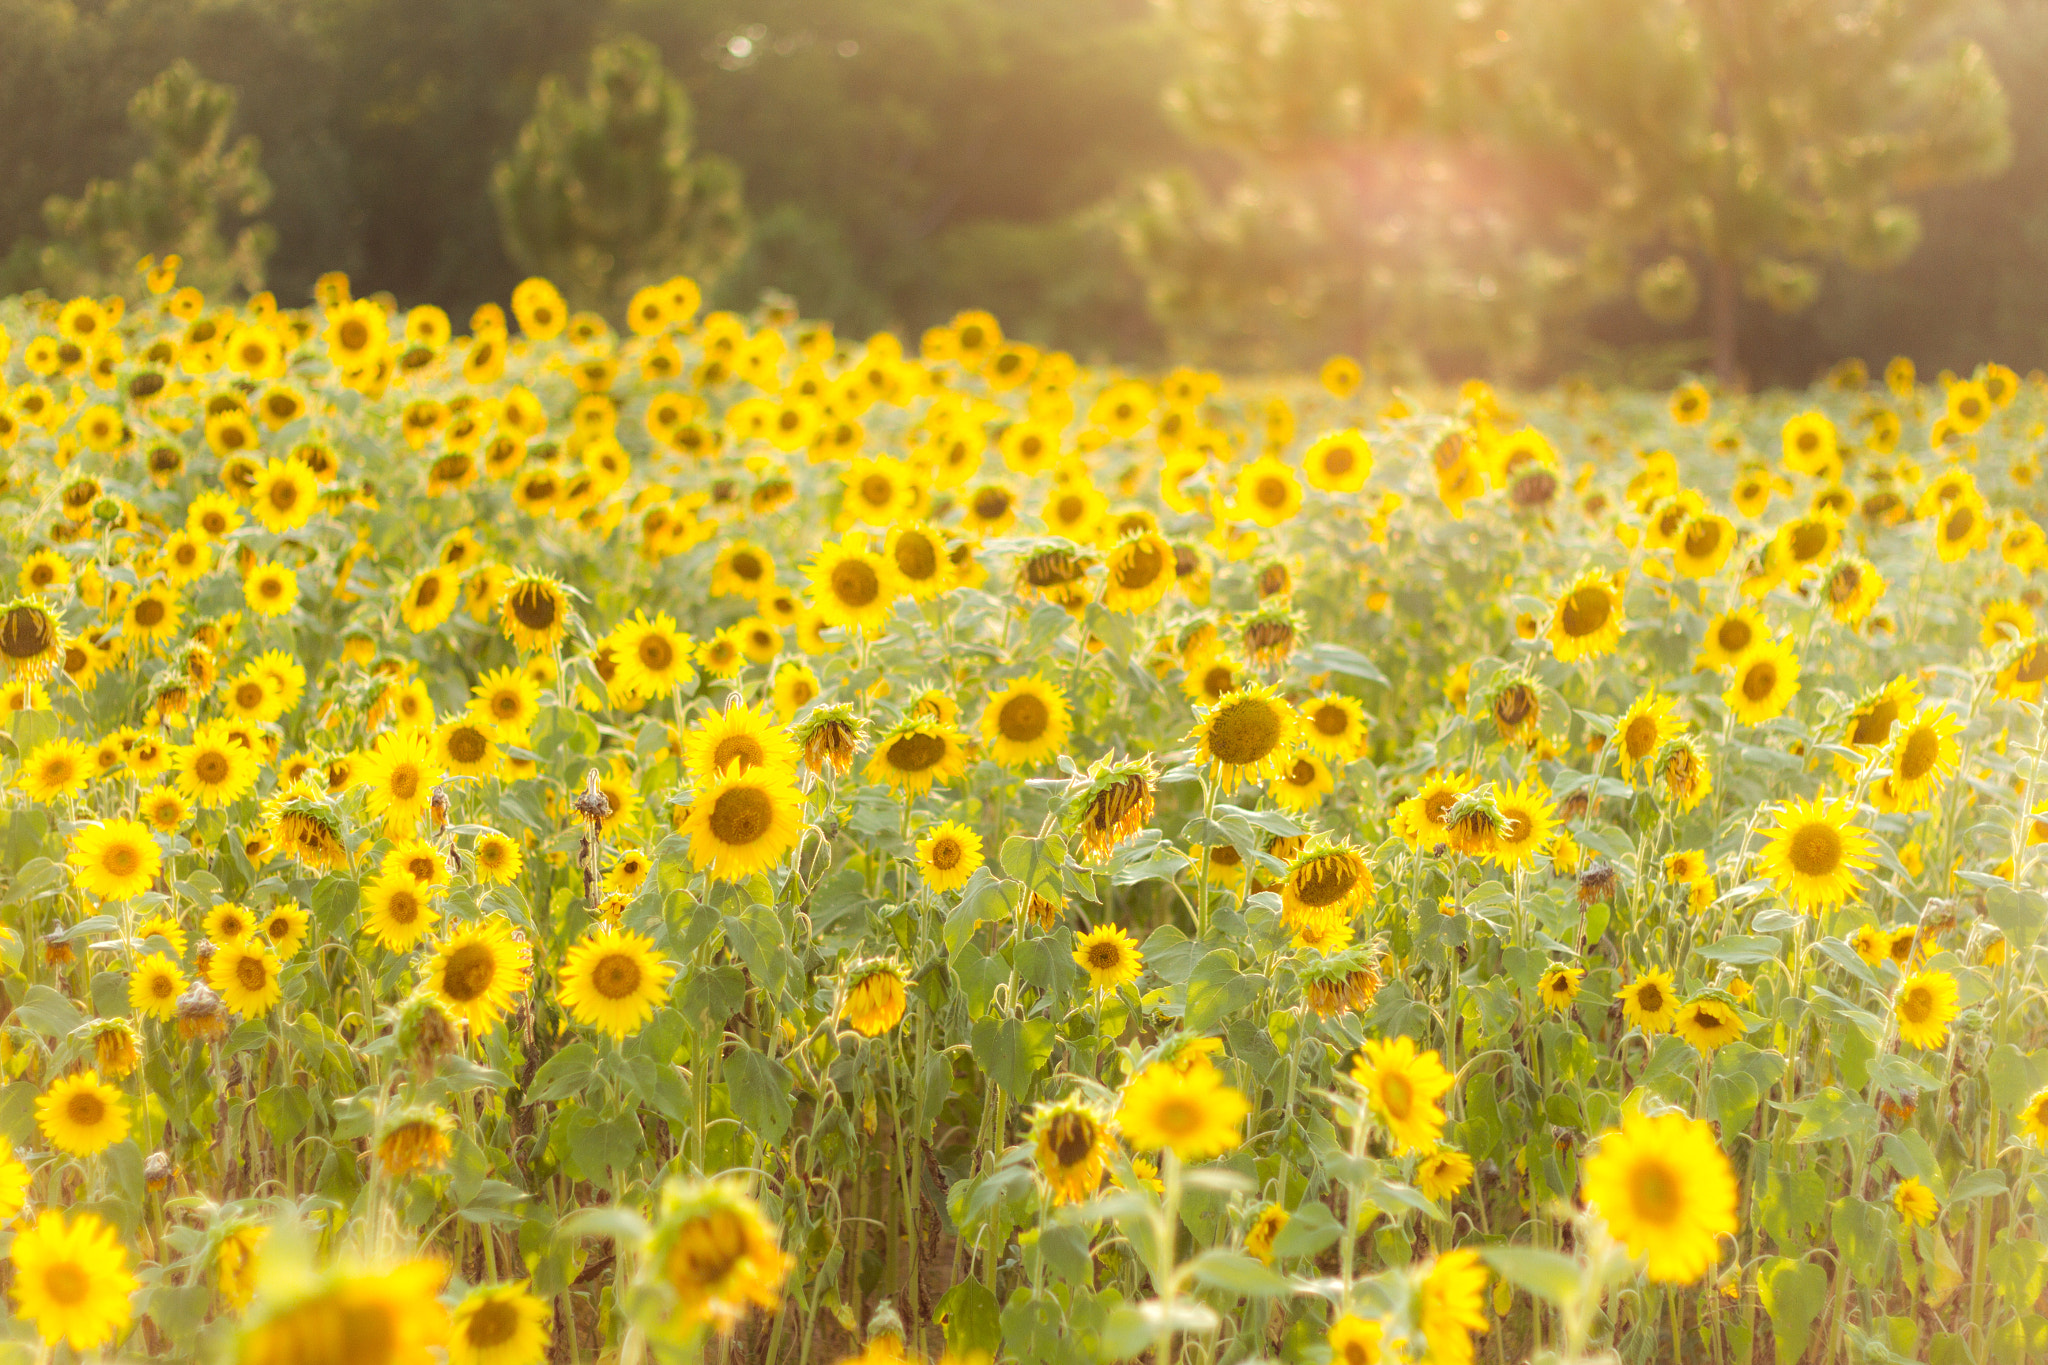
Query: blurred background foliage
1616, 188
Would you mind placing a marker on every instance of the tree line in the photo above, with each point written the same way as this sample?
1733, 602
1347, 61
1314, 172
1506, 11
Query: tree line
1626, 188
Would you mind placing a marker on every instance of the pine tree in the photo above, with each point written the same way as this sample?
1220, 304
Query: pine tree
1759, 139
602, 194
1372, 203
174, 200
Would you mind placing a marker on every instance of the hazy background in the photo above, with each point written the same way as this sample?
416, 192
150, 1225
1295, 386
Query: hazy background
1447, 185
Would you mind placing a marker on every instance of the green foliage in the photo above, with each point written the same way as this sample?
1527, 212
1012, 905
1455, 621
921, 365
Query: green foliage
602, 194
177, 200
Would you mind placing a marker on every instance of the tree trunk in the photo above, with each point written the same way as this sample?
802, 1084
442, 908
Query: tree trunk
1721, 307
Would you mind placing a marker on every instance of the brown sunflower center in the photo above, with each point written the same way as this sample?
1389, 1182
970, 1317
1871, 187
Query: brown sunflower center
1023, 718
428, 592
616, 976
946, 854
1650, 998
493, 1324
121, 859
467, 744
741, 815
250, 973
1585, 611
533, 606
86, 1109
67, 1283
211, 767
1816, 850
1917, 759
1140, 566
149, 612
26, 633
916, 557
1244, 732
1326, 881
1759, 680
469, 972
1874, 726
404, 783
855, 583
1656, 1191
916, 751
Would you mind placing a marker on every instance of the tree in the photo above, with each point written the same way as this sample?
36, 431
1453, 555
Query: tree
1758, 138
174, 201
602, 194
1371, 200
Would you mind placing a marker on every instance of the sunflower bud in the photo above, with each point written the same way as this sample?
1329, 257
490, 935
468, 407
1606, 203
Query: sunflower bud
201, 1016
425, 1034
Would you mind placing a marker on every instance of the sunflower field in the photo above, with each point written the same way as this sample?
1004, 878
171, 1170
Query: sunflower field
715, 841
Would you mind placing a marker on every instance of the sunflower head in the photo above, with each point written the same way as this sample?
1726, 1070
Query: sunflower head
1110, 802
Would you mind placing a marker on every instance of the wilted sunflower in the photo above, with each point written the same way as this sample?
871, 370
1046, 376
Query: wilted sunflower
1324, 883
1665, 1191
831, 737
875, 997
1110, 803
418, 1138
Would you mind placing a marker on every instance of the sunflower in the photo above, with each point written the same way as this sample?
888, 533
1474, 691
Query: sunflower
853, 586
1923, 753
653, 656
1026, 722
2033, 1117
1451, 1306
1443, 1173
1339, 462
497, 858
283, 927
1420, 820
349, 1315
1650, 1003
1402, 1087
1334, 726
114, 859
1110, 956
32, 640
499, 1324
1964, 526
1665, 1191
613, 981
1245, 735
1815, 853
509, 699
216, 768
1585, 622
740, 737
1709, 1024
1267, 493
875, 997
948, 856
1763, 684
55, 769
245, 976
533, 613
397, 778
743, 822
71, 1280
154, 614
477, 970
1642, 730
915, 753
1923, 1006
398, 910
284, 496
1070, 1143
82, 1115
1731, 635
1138, 573
431, 598
1559, 987
717, 1252
227, 922
1915, 1202
1191, 1112
465, 747
154, 987
1852, 588
1355, 1341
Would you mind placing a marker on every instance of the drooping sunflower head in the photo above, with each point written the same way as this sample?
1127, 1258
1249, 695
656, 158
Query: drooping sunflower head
533, 612
417, 1138
831, 737
32, 639
1071, 1145
1111, 802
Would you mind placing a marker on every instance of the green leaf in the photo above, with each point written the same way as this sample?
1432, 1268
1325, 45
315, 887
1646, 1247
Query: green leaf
565, 1075
1832, 1114
1218, 989
1309, 1229
758, 1089
1552, 1277
1743, 950
1977, 1185
972, 1320
2016, 1077
1238, 1274
2018, 911
1012, 1051
599, 1146
1793, 1293
1862, 1234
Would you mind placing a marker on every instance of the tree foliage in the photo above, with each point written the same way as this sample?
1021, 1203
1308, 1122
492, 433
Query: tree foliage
602, 193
